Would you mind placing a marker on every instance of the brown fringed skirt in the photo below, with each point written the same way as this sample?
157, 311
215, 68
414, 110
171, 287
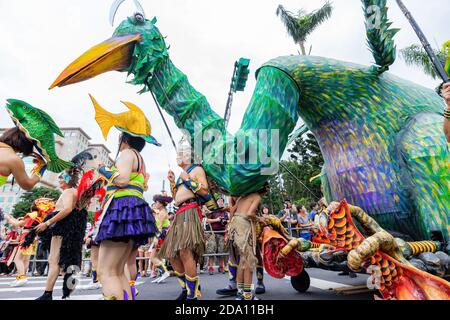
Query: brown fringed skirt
186, 232
242, 242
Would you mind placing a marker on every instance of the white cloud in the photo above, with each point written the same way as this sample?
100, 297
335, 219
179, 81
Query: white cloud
39, 39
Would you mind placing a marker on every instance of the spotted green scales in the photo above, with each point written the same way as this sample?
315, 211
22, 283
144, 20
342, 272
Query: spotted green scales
380, 135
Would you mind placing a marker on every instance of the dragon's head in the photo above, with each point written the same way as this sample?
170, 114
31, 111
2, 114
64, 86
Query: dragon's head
136, 47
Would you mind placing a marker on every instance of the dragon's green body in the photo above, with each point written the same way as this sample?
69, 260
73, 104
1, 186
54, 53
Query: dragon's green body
380, 135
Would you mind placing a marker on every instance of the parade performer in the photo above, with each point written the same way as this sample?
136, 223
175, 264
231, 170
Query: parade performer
127, 220
130, 267
446, 95
243, 243
94, 246
163, 224
27, 243
34, 129
67, 225
184, 244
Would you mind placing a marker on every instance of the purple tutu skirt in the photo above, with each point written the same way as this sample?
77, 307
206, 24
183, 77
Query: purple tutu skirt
128, 218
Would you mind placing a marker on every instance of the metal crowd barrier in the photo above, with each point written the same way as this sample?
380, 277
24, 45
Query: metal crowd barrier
35, 261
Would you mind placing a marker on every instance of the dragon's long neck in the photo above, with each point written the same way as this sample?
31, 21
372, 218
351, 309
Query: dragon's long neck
240, 163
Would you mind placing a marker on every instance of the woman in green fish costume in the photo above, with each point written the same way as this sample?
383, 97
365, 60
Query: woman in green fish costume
34, 129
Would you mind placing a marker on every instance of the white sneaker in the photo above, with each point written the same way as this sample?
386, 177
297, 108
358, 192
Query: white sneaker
92, 286
156, 280
19, 282
163, 277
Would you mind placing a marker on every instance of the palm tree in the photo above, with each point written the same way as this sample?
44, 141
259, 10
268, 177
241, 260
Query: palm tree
415, 55
299, 26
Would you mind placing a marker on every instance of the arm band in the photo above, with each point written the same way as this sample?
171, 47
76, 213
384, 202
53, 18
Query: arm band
110, 173
193, 185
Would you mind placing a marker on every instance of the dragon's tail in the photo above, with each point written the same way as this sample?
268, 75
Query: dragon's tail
58, 165
104, 118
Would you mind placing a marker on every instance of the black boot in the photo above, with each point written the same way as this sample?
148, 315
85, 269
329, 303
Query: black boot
182, 296
65, 289
227, 292
47, 296
260, 288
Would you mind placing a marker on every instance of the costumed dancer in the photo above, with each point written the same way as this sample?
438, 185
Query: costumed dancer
94, 246
27, 243
67, 225
34, 129
184, 245
446, 95
243, 243
127, 220
130, 267
163, 224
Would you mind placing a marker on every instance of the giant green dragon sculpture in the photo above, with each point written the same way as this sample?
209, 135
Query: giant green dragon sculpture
380, 135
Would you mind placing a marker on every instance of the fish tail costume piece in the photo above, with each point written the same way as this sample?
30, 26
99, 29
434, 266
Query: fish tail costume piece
40, 128
381, 136
186, 231
126, 215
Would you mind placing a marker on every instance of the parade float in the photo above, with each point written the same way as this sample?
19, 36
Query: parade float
381, 138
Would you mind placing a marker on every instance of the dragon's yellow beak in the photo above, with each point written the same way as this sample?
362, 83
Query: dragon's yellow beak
112, 55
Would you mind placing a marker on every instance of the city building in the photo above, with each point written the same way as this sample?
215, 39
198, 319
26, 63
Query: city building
75, 141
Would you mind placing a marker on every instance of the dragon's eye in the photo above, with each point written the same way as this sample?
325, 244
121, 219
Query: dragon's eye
139, 17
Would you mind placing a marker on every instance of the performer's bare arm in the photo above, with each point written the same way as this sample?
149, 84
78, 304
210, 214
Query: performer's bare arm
17, 168
125, 165
446, 95
65, 205
14, 222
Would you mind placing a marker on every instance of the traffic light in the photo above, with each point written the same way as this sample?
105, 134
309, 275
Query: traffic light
241, 75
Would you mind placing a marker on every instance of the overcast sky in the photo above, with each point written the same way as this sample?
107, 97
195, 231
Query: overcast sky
40, 38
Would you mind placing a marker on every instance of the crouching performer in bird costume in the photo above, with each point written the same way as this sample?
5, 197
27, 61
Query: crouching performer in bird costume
27, 245
127, 220
66, 226
184, 244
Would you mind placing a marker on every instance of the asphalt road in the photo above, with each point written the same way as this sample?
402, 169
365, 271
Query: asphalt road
323, 287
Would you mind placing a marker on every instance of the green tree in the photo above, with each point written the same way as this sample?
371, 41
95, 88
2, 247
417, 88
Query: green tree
415, 55
299, 26
305, 161
22, 207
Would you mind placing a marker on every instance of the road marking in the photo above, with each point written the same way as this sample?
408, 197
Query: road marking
327, 285
324, 284
74, 297
32, 281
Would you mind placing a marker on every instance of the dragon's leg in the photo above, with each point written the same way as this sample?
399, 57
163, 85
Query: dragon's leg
380, 240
